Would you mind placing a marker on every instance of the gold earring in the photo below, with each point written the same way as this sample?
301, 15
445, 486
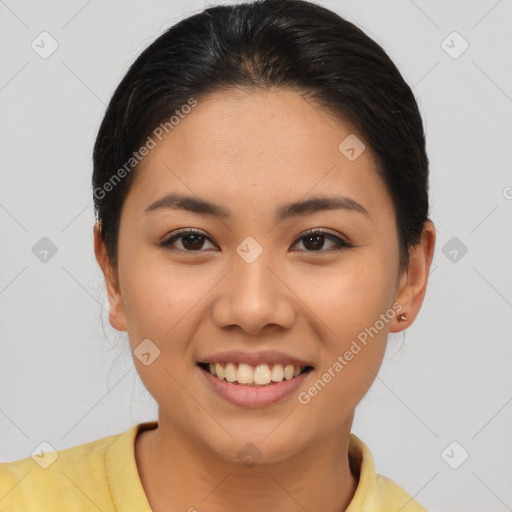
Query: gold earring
402, 316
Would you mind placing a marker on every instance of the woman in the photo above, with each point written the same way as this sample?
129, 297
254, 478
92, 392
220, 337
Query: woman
261, 189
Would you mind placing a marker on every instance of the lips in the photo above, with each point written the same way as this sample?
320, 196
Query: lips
254, 395
255, 358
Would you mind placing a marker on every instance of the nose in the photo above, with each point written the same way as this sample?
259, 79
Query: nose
254, 295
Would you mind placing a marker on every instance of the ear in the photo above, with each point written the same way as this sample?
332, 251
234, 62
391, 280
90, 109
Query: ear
116, 315
413, 281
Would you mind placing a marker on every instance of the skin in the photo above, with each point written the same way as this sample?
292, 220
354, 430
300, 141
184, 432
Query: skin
250, 151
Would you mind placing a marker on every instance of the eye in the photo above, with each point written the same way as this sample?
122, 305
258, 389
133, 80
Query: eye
315, 238
192, 241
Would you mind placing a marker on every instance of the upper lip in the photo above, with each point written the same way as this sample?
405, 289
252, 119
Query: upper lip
254, 358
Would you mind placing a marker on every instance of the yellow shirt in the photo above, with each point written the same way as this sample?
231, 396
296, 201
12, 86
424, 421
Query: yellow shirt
102, 475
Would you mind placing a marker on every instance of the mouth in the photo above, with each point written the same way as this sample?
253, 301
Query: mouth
260, 375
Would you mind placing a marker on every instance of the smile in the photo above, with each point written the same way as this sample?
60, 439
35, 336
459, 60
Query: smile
259, 375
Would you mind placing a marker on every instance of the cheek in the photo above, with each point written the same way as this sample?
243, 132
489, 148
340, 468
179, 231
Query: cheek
351, 296
354, 303
156, 294
341, 384
357, 311
157, 302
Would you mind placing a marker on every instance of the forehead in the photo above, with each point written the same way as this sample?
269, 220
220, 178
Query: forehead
279, 123
266, 143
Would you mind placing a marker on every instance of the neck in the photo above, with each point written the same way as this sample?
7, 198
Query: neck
178, 473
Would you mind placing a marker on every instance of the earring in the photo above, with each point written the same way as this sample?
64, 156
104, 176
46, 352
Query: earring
402, 316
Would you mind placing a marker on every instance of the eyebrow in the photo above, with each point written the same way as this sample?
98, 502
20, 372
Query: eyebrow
314, 204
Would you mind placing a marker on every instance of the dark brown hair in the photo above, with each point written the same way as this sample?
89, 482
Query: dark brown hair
267, 44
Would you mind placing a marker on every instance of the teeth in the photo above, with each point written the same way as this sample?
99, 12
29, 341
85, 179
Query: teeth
219, 371
230, 372
260, 375
277, 373
244, 375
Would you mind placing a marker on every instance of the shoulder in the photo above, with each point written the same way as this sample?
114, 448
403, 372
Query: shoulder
72, 478
375, 492
392, 497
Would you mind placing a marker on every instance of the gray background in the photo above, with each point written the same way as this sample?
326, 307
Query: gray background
67, 377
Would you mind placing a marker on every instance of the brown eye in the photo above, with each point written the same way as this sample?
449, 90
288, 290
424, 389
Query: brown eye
314, 241
191, 241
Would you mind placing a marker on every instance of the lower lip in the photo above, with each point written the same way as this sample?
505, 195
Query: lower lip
254, 396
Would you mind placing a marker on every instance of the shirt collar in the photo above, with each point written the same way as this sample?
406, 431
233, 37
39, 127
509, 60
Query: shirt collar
363, 466
123, 477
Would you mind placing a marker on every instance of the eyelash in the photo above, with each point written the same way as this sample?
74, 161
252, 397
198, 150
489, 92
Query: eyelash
342, 244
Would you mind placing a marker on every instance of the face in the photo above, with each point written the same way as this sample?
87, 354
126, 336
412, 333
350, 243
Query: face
247, 279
